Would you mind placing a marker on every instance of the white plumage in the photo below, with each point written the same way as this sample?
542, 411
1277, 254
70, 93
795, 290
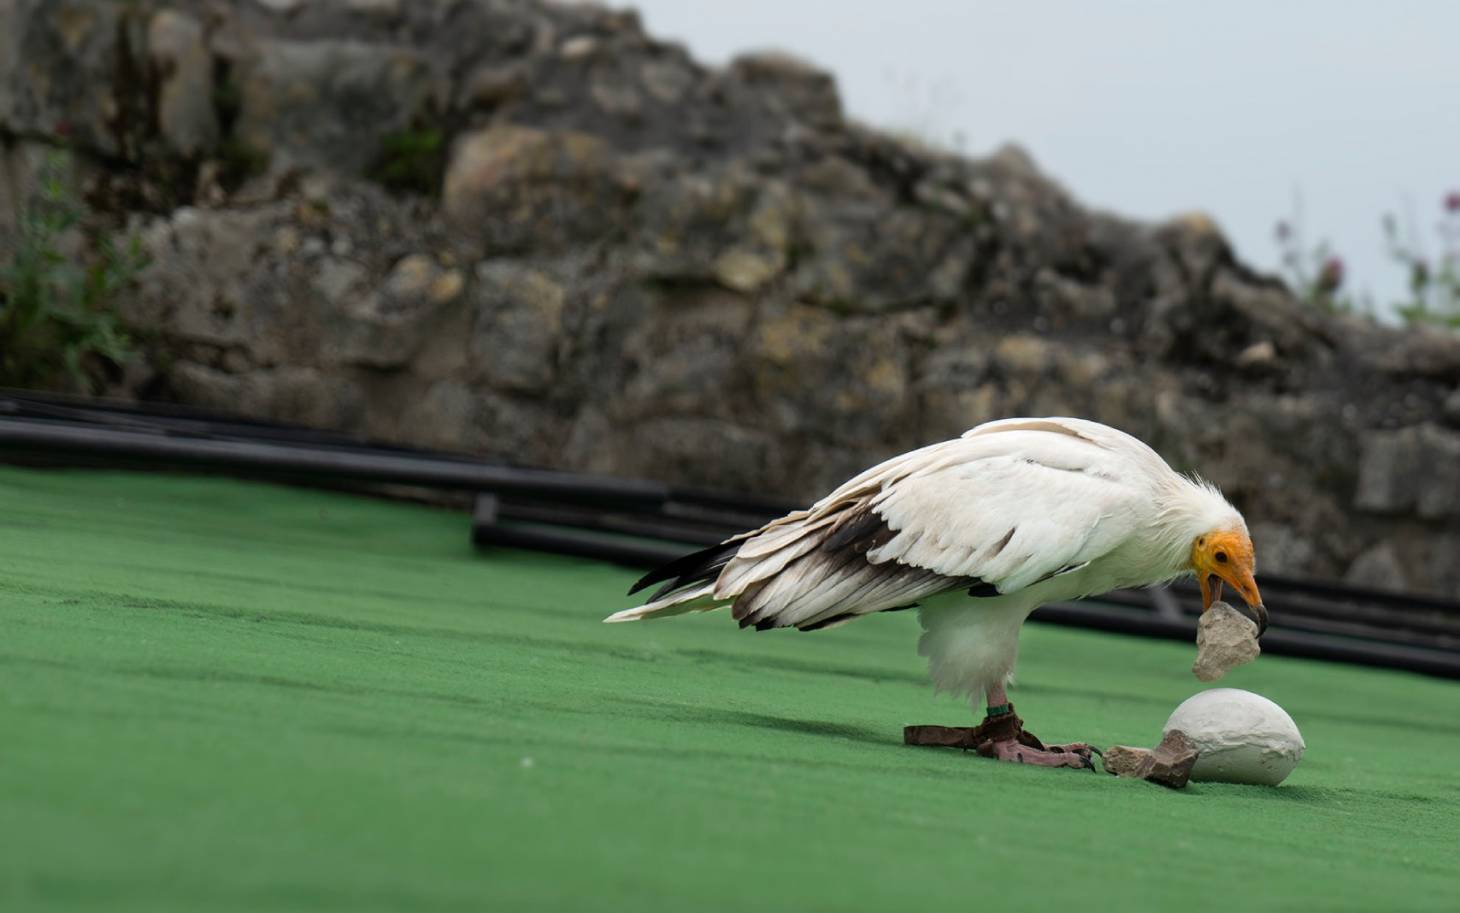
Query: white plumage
977, 531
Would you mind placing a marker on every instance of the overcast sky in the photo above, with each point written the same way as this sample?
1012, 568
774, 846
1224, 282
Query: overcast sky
1153, 108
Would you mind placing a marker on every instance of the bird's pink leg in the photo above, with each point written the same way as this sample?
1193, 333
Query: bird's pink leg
1026, 748
997, 696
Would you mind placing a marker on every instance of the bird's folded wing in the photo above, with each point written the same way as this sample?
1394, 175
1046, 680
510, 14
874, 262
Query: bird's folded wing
1012, 509
1001, 509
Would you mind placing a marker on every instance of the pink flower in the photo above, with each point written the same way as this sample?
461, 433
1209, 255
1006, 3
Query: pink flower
1330, 277
1452, 201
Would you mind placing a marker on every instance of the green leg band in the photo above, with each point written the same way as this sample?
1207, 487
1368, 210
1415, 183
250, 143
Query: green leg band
1000, 709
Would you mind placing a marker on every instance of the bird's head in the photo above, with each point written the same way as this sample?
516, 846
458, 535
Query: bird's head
1225, 556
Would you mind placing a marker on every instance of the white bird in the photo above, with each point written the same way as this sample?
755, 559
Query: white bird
978, 532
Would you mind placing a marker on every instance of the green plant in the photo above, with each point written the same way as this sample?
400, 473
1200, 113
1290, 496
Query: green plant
56, 316
1316, 273
411, 161
1434, 283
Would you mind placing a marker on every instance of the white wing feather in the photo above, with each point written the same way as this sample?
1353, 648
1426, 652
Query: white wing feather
1011, 518
1010, 503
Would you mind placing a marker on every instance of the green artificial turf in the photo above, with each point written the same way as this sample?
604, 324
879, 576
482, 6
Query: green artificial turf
221, 695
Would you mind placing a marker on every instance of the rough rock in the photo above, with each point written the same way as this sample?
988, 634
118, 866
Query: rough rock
326, 103
1379, 568
1415, 469
1452, 407
59, 62
519, 189
1169, 763
518, 327
185, 112
1285, 550
1225, 639
595, 253
806, 92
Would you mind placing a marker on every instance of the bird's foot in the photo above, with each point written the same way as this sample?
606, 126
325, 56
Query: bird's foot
1019, 752
1005, 738
1083, 749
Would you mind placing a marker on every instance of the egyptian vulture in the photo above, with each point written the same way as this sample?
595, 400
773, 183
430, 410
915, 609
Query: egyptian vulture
977, 532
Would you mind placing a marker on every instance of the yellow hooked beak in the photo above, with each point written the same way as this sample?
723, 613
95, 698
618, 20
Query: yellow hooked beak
1226, 557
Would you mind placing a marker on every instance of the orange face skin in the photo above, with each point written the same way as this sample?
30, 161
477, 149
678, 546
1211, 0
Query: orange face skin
1225, 556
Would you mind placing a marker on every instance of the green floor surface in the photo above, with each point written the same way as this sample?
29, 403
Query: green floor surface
224, 696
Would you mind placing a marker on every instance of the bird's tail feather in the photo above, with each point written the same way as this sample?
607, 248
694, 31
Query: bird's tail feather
688, 584
700, 599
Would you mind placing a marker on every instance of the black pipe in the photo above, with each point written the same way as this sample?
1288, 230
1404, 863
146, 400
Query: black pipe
577, 543
282, 459
648, 526
166, 418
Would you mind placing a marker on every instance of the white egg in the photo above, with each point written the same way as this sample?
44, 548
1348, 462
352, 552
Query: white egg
1243, 737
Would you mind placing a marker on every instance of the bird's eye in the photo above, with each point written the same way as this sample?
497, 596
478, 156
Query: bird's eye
1221, 557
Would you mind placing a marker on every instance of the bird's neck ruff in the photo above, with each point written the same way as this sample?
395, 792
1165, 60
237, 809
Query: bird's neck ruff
1191, 507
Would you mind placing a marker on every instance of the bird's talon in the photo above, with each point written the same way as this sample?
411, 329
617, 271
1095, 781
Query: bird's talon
1013, 751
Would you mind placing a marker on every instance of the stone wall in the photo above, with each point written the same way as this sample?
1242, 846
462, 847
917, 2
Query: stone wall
535, 232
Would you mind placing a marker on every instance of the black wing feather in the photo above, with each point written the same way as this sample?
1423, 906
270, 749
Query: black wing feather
704, 564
